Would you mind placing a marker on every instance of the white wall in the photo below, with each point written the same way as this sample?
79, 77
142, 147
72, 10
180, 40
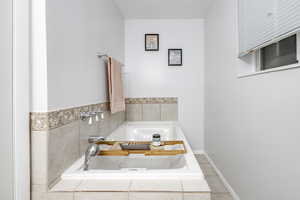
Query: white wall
6, 102
39, 89
76, 31
148, 73
251, 124
21, 98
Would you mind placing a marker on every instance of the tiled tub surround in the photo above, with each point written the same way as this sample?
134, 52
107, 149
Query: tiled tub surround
43, 121
59, 138
152, 109
186, 183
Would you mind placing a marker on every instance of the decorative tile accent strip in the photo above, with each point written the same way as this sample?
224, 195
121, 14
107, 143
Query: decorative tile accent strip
155, 100
43, 121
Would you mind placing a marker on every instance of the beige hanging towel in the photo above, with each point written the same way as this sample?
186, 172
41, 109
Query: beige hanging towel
115, 86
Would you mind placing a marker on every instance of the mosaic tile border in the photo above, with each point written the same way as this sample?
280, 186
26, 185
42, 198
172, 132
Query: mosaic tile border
43, 121
152, 100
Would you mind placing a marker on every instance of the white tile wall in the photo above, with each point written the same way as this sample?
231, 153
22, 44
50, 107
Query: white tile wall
169, 112
60, 196
53, 151
104, 185
134, 112
152, 112
156, 185
101, 196
66, 185
39, 157
155, 196
63, 149
196, 196
195, 186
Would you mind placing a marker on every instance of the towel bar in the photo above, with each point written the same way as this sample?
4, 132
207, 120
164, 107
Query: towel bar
100, 55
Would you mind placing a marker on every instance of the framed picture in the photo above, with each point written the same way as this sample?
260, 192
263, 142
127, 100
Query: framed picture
175, 57
151, 42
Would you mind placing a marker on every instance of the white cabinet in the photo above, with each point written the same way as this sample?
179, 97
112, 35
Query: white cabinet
261, 21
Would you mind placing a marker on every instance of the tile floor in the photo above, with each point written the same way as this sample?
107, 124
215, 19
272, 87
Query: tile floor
219, 191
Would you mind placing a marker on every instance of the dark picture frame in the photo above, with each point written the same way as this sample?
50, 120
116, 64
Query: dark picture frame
175, 57
151, 42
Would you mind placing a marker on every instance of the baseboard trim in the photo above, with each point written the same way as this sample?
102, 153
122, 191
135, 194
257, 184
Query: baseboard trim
226, 183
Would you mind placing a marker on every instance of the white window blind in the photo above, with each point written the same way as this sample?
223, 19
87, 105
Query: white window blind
262, 22
288, 16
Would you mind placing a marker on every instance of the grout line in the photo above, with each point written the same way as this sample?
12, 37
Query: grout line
142, 110
130, 184
160, 113
80, 182
228, 193
100, 191
128, 193
182, 191
158, 191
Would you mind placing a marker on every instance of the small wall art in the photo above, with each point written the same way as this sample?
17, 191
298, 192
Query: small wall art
151, 42
175, 57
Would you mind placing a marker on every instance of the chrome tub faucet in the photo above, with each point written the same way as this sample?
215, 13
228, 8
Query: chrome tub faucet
92, 150
95, 139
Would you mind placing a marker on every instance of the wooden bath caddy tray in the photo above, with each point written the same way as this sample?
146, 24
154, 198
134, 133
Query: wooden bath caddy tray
167, 148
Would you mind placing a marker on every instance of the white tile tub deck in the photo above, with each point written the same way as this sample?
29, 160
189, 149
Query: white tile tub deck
193, 186
138, 190
134, 190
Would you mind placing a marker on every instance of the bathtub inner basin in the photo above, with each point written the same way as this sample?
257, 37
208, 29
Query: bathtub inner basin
137, 162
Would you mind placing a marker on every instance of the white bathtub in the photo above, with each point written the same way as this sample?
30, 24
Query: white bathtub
139, 166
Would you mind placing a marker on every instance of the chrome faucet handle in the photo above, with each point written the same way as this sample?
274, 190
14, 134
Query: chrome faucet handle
84, 116
95, 139
89, 115
98, 114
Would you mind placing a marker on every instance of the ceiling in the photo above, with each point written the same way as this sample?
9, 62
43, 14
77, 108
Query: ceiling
163, 9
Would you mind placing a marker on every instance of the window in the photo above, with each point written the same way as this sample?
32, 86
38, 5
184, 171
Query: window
279, 54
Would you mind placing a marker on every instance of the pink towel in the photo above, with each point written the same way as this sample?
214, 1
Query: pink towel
115, 86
